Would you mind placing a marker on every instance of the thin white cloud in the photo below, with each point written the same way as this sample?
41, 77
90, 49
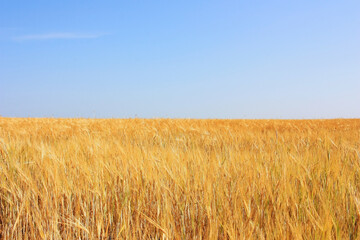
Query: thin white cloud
61, 35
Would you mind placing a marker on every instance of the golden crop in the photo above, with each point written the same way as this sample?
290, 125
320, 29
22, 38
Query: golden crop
179, 179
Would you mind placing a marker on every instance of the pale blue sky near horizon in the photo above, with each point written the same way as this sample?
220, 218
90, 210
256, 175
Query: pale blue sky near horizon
180, 59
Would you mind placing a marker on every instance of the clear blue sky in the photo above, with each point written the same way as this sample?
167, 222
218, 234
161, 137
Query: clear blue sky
181, 59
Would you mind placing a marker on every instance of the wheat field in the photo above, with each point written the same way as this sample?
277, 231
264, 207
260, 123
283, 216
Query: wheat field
179, 179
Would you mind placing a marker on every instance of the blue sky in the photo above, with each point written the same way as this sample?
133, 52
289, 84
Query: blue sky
180, 59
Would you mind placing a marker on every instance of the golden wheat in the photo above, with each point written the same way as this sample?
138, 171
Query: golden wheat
179, 179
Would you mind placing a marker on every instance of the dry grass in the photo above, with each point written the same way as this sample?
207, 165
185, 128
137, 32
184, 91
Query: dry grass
179, 179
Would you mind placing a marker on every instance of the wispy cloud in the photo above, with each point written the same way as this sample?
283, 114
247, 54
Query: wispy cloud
59, 35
